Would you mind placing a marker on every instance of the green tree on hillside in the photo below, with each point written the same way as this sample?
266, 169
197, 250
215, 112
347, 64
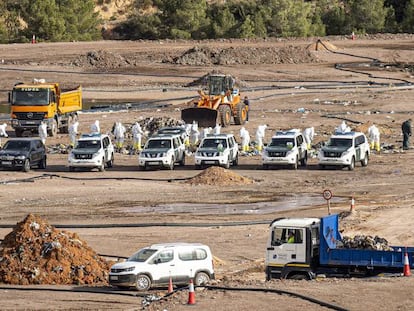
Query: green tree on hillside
367, 16
408, 21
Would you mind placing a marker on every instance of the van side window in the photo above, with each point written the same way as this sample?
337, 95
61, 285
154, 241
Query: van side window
164, 256
194, 254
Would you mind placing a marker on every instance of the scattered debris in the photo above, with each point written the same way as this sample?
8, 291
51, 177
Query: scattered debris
37, 253
366, 242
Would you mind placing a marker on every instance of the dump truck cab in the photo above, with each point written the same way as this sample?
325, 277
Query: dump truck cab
292, 248
32, 103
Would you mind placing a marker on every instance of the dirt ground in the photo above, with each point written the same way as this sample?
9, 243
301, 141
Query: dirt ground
295, 85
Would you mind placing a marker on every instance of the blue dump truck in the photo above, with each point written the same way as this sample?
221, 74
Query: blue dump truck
302, 248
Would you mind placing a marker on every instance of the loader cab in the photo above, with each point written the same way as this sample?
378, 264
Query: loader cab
219, 84
293, 246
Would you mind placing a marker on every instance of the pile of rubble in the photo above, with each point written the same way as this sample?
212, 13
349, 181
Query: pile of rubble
366, 242
102, 60
37, 253
218, 176
248, 55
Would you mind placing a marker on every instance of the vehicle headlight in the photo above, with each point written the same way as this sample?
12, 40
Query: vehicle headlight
20, 157
129, 269
346, 152
290, 152
96, 154
198, 154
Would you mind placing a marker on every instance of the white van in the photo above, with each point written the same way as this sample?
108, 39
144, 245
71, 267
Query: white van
155, 264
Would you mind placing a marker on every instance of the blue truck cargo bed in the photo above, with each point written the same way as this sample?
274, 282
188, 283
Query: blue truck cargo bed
330, 255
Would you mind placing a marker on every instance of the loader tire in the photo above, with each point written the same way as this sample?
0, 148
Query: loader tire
225, 115
241, 114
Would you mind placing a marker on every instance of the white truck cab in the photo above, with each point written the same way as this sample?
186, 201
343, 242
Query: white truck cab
162, 150
344, 149
154, 265
287, 249
217, 149
92, 151
286, 148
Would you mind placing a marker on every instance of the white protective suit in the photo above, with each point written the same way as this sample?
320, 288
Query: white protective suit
205, 132
3, 132
95, 128
119, 133
245, 139
137, 133
309, 134
217, 129
43, 132
194, 134
343, 128
73, 131
188, 132
260, 134
374, 137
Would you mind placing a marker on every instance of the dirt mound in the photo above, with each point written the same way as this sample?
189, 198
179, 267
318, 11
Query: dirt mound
103, 60
205, 56
322, 46
37, 253
203, 81
218, 176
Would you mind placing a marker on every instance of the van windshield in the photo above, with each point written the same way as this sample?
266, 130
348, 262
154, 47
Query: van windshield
142, 255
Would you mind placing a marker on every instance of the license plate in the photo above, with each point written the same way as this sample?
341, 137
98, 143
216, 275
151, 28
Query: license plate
6, 162
30, 122
209, 162
153, 163
113, 277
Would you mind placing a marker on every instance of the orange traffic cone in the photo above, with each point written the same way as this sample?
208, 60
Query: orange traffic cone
170, 286
352, 205
33, 39
191, 293
407, 271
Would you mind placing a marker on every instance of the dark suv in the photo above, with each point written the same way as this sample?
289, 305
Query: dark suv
23, 153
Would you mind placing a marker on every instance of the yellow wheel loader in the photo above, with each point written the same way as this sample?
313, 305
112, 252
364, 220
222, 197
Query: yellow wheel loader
219, 106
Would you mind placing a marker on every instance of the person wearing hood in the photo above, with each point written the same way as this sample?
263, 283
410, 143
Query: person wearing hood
95, 128
194, 134
119, 133
343, 128
73, 132
43, 132
3, 132
374, 137
260, 134
308, 135
245, 139
137, 133
217, 129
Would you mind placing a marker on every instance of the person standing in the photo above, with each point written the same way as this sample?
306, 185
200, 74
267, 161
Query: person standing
246, 101
406, 130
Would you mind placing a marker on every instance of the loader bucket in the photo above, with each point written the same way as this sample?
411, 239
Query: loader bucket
205, 117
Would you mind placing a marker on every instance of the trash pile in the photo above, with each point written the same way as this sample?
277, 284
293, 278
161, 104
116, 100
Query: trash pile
366, 242
37, 253
218, 176
151, 125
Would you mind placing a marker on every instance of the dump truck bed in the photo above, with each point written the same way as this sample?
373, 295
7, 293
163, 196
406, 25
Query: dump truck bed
70, 101
331, 255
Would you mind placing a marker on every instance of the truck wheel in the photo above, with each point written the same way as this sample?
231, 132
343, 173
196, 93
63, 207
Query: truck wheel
299, 277
241, 116
201, 278
53, 128
225, 115
42, 163
143, 282
26, 165
102, 167
352, 165
364, 162
304, 161
110, 163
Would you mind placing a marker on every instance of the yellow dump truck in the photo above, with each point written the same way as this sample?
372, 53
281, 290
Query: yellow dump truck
32, 103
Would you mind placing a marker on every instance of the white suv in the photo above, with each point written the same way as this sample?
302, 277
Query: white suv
217, 149
92, 151
286, 148
155, 264
162, 150
345, 149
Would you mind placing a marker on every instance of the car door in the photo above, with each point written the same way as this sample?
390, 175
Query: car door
230, 146
176, 147
105, 143
358, 142
35, 151
165, 266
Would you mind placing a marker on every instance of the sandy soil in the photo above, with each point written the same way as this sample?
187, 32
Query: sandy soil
382, 190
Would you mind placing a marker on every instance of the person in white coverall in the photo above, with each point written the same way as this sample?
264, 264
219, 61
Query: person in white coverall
245, 139
137, 133
205, 131
194, 134
309, 134
43, 132
95, 128
73, 132
217, 129
3, 132
119, 133
260, 134
374, 137
343, 128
